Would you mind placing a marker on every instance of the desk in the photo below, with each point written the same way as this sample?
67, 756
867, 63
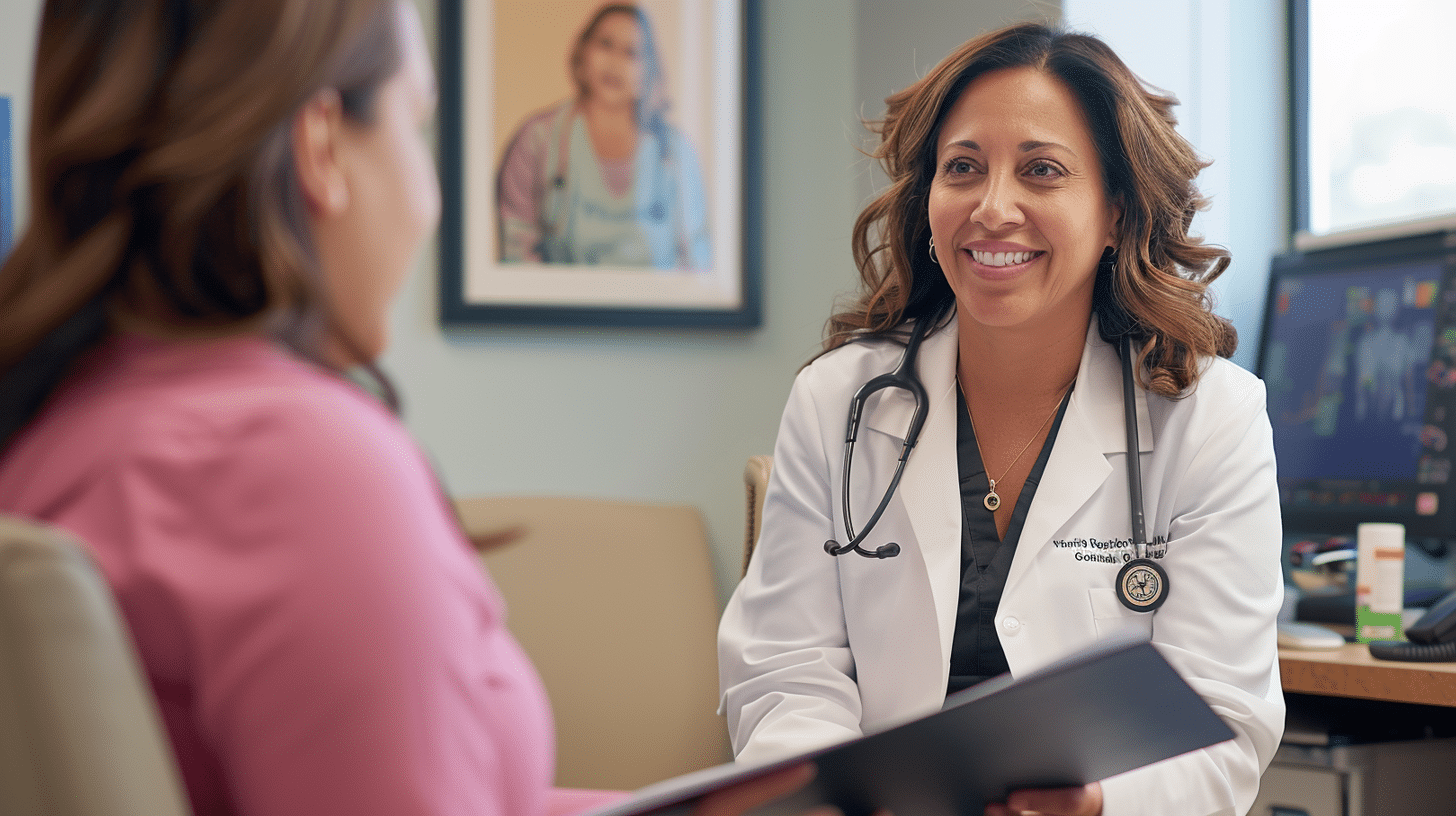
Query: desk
1350, 671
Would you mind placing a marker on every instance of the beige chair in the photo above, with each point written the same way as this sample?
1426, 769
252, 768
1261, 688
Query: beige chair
755, 483
616, 605
79, 729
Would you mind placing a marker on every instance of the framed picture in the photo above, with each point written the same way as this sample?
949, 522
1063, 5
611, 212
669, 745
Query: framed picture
593, 159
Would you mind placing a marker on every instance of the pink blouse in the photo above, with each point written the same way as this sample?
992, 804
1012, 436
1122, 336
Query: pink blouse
320, 637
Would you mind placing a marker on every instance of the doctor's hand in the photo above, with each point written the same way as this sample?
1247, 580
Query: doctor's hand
1083, 801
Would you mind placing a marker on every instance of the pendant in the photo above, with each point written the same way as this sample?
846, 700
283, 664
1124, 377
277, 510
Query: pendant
992, 501
1142, 585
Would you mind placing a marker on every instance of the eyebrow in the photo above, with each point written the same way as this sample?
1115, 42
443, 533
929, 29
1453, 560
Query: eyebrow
1024, 147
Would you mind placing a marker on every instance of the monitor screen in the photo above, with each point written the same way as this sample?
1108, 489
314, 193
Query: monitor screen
1359, 358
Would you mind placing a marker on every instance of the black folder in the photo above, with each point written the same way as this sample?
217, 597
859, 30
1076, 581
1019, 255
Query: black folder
1082, 719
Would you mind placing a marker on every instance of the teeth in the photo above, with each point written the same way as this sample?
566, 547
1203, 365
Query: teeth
1001, 258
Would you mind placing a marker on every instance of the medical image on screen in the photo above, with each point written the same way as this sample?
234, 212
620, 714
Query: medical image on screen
1347, 367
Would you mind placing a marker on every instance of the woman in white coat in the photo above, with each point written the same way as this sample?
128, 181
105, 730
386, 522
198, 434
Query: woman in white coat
1038, 211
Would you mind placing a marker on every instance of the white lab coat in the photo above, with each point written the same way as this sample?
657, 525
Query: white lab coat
815, 649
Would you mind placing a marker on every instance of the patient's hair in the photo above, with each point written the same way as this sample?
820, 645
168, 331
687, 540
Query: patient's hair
162, 182
1154, 286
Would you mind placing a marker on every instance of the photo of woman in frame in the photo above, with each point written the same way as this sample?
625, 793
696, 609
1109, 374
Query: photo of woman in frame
603, 177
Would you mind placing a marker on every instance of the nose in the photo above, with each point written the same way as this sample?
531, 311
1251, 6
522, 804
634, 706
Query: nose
998, 208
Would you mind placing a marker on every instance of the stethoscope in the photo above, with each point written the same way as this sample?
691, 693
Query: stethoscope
1142, 583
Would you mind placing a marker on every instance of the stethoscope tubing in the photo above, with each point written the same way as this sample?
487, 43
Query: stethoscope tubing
1134, 465
904, 376
1142, 584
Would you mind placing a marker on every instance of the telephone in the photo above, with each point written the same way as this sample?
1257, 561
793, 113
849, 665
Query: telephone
1432, 639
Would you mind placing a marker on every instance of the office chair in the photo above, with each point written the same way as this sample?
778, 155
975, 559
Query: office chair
79, 730
755, 483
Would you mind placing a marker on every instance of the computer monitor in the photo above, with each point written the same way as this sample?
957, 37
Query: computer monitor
1358, 354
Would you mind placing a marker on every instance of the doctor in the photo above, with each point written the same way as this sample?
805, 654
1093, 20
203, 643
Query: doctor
1038, 209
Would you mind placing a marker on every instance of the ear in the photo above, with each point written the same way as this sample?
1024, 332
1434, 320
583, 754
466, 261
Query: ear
316, 133
1116, 223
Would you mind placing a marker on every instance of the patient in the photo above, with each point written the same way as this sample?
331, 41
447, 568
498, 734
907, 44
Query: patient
227, 196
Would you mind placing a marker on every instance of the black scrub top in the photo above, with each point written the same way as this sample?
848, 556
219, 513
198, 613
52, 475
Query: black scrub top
976, 652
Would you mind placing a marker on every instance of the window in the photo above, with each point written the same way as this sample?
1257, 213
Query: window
1374, 96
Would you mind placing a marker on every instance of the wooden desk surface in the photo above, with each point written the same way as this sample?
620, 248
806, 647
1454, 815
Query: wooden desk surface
1350, 671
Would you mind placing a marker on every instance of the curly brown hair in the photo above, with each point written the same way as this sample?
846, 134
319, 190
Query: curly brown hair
1154, 286
162, 177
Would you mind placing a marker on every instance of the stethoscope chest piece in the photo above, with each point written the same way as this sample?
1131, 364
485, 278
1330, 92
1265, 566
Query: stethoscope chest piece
1142, 585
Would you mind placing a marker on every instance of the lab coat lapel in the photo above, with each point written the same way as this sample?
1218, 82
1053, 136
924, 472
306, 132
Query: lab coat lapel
930, 486
1092, 429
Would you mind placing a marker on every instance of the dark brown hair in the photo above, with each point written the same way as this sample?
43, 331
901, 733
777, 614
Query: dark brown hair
162, 183
1154, 286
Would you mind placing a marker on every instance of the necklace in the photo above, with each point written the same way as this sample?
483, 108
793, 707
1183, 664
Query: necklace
992, 500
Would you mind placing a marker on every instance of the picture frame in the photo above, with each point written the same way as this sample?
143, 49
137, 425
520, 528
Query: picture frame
546, 218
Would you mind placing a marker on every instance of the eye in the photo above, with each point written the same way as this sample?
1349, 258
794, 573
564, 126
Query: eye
1044, 169
957, 167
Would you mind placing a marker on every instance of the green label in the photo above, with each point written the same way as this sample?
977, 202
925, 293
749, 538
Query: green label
1376, 625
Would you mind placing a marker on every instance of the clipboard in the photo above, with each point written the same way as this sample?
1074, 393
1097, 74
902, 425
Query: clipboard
1082, 719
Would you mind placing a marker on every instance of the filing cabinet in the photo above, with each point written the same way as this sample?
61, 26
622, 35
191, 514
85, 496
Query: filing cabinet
1374, 779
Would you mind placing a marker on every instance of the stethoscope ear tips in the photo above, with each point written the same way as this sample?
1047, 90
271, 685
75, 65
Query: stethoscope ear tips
888, 551
831, 548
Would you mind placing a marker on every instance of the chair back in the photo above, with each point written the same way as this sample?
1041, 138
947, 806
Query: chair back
79, 730
755, 483
616, 605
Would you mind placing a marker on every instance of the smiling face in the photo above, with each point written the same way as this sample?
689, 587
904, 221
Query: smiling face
1018, 209
610, 67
